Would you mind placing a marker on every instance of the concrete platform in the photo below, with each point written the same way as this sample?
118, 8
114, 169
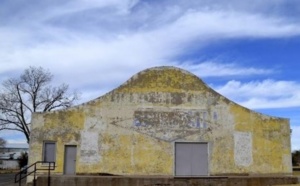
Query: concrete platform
166, 181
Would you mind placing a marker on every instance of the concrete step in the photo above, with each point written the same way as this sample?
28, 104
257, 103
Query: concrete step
29, 184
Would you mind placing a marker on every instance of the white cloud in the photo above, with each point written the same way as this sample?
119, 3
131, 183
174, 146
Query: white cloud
19, 142
101, 62
263, 94
210, 25
96, 45
112, 60
216, 69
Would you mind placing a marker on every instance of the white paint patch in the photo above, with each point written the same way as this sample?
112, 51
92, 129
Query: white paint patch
243, 148
93, 123
287, 162
89, 152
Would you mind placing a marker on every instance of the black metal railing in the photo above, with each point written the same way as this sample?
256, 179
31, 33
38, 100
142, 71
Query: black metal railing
32, 169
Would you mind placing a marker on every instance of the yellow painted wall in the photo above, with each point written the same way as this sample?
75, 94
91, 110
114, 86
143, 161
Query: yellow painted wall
132, 129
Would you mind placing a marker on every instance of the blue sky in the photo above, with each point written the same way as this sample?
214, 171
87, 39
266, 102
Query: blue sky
245, 50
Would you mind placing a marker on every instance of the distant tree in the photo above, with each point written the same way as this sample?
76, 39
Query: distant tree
2, 142
296, 158
31, 92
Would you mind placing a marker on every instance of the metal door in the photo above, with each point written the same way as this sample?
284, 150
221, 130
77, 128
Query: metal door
70, 160
49, 152
191, 159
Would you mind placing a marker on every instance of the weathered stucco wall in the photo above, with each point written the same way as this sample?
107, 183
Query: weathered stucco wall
132, 129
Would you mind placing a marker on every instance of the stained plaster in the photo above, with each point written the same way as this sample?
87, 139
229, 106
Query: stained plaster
132, 129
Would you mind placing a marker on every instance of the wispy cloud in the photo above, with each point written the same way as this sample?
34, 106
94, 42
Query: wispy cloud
115, 39
95, 45
64, 29
218, 69
132, 48
263, 94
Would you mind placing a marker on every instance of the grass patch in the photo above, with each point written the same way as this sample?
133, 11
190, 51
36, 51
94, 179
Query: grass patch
296, 173
8, 171
296, 170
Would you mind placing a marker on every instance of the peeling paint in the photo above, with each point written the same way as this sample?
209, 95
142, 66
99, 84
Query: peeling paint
243, 148
132, 129
89, 152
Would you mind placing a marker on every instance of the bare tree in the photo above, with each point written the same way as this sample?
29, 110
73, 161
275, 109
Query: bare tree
31, 92
2, 142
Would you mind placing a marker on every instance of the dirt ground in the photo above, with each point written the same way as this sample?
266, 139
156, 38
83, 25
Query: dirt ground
9, 180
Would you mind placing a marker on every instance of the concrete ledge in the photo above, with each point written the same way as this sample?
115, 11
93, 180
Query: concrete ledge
164, 181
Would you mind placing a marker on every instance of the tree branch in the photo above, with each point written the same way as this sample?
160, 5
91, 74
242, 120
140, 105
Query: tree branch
20, 97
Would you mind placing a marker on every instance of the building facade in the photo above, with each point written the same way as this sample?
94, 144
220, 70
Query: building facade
162, 121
